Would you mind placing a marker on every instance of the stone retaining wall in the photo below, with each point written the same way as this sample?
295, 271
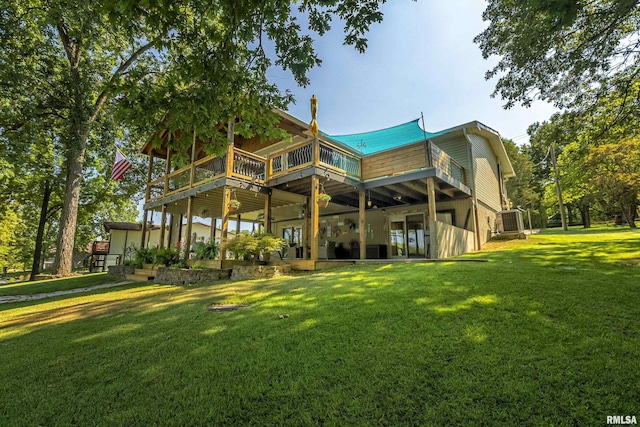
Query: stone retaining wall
249, 272
120, 271
183, 276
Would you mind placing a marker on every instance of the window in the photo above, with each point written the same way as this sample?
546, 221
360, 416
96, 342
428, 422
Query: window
292, 235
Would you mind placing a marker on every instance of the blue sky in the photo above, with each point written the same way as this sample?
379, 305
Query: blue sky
421, 58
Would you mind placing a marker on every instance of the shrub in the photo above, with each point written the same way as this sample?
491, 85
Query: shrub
207, 250
167, 256
198, 266
145, 255
179, 264
250, 247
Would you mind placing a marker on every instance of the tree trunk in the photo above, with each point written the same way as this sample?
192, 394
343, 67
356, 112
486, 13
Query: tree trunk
37, 253
79, 122
586, 215
63, 264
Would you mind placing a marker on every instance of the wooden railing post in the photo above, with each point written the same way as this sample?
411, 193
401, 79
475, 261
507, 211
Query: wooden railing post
167, 171
315, 156
268, 169
149, 175
230, 138
192, 176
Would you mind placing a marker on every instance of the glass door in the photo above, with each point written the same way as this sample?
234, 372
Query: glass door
415, 236
397, 238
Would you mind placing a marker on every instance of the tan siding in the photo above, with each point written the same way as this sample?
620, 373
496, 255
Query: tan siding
486, 172
456, 147
451, 241
486, 222
402, 159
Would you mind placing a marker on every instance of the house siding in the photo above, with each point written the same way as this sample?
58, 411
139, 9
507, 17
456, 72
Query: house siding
486, 172
456, 147
486, 222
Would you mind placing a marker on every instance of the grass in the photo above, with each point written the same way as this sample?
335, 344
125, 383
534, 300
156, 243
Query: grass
51, 285
546, 333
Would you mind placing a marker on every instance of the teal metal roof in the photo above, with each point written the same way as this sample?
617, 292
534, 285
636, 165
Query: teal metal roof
384, 139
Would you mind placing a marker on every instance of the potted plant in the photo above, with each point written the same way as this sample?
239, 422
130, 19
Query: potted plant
323, 200
234, 205
204, 212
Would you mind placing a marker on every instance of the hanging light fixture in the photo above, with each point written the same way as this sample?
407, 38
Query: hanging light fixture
369, 204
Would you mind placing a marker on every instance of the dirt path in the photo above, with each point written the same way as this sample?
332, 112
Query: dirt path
21, 298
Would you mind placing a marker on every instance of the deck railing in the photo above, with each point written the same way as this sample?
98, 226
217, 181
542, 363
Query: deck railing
179, 179
245, 165
210, 167
290, 159
339, 159
444, 162
249, 166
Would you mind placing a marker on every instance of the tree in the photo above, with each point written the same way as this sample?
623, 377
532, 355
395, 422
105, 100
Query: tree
521, 188
561, 50
615, 175
192, 63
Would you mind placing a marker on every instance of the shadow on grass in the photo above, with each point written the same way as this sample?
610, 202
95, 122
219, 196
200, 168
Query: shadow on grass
509, 342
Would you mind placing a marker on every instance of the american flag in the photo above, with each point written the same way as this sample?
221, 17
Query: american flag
120, 166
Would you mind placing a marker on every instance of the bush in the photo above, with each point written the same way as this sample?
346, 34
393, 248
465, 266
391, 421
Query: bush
198, 266
207, 250
179, 264
145, 256
250, 247
167, 256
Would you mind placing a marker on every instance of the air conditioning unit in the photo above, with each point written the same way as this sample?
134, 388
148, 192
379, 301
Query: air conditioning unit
510, 221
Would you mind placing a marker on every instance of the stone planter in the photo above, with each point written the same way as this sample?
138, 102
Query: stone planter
184, 276
250, 272
208, 263
120, 272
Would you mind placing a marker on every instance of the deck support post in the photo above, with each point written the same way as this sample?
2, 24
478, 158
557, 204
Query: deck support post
305, 235
212, 232
187, 238
144, 227
362, 204
314, 217
226, 198
163, 223
433, 241
267, 212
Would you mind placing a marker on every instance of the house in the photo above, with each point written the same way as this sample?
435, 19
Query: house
399, 192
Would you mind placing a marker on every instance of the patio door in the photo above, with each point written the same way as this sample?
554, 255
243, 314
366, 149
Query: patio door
397, 237
407, 236
415, 236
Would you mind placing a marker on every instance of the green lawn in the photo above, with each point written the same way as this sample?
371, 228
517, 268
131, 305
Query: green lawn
546, 333
44, 286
